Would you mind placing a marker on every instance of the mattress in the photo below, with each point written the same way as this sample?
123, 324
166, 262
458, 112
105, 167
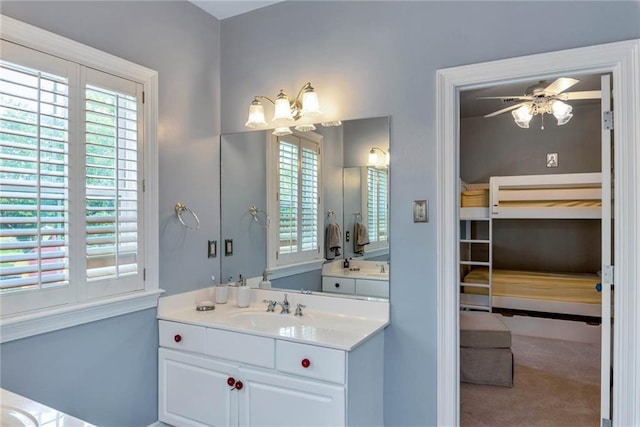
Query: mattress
475, 198
537, 285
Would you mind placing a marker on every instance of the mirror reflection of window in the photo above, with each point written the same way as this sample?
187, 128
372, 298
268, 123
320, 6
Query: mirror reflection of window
376, 209
298, 230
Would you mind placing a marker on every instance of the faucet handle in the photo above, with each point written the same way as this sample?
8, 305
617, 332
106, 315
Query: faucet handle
299, 308
272, 305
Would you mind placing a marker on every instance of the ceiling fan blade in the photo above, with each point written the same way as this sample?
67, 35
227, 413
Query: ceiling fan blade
522, 97
585, 94
504, 110
560, 85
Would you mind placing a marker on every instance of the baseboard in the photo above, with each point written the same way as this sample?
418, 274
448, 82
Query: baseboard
566, 330
158, 424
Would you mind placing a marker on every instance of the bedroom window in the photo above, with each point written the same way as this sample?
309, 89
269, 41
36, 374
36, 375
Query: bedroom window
297, 233
74, 216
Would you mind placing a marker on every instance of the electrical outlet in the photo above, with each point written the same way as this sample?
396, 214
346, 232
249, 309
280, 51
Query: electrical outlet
552, 160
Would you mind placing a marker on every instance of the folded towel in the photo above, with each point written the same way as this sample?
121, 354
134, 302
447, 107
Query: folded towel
361, 238
332, 240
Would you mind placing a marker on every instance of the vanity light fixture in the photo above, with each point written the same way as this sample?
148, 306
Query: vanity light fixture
373, 157
304, 107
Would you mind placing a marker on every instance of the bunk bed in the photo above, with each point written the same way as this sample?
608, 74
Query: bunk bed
552, 196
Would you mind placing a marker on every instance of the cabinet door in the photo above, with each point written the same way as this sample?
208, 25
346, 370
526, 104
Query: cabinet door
372, 288
340, 285
279, 400
193, 390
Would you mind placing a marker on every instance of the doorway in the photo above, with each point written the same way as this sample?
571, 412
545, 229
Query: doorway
543, 255
622, 61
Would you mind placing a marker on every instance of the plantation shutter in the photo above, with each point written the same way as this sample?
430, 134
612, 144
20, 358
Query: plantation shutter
71, 198
298, 199
377, 210
112, 190
34, 179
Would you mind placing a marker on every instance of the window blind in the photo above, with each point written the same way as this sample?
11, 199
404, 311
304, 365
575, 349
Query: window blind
377, 204
34, 178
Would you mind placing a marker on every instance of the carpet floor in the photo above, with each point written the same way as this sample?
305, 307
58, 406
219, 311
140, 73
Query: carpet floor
556, 383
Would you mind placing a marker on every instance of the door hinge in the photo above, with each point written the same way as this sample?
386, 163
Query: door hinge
144, 274
608, 274
143, 97
607, 120
606, 423
277, 254
144, 185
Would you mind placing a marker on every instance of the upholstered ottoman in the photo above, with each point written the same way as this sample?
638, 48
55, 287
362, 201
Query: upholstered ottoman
485, 349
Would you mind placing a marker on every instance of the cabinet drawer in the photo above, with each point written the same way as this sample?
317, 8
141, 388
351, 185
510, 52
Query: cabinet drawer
339, 285
243, 348
372, 288
181, 336
323, 363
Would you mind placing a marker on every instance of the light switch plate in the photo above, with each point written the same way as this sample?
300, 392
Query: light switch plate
420, 211
552, 160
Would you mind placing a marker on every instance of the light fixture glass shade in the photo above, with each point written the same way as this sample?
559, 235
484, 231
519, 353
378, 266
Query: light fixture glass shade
282, 113
310, 104
282, 131
388, 157
256, 115
561, 111
522, 116
373, 158
305, 127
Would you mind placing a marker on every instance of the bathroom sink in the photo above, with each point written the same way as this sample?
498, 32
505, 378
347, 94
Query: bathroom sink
265, 320
10, 416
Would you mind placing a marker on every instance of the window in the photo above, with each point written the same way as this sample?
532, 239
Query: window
74, 219
377, 209
297, 236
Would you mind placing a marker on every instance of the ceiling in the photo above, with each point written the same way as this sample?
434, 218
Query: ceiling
228, 8
471, 106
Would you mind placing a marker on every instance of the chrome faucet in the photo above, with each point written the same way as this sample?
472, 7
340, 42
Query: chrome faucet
272, 305
299, 310
285, 305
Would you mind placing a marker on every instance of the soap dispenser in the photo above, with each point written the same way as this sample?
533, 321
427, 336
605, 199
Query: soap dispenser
265, 283
345, 263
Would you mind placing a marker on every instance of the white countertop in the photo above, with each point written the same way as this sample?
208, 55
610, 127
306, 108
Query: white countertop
17, 410
358, 269
340, 323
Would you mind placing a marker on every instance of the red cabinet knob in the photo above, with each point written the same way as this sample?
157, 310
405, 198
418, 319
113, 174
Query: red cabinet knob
231, 381
239, 385
305, 363
177, 338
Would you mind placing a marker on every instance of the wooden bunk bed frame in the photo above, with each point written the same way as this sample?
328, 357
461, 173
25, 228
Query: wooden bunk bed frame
552, 196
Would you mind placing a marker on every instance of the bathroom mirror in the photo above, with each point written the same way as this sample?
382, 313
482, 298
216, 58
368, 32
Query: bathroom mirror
344, 171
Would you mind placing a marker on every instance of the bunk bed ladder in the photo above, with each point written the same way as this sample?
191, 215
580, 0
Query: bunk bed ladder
475, 252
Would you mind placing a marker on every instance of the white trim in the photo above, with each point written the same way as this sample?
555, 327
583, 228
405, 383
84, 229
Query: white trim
59, 318
75, 314
622, 59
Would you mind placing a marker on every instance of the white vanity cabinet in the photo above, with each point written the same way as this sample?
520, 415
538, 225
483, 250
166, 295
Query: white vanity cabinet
216, 377
356, 286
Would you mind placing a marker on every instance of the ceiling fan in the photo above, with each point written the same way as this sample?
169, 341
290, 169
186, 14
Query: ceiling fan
542, 98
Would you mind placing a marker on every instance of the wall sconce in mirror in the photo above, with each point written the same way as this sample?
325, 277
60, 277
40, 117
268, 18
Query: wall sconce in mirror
304, 107
375, 161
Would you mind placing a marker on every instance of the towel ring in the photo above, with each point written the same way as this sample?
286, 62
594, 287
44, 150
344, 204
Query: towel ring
255, 212
180, 209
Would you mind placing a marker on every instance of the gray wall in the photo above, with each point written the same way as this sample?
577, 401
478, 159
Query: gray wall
369, 59
106, 372
365, 60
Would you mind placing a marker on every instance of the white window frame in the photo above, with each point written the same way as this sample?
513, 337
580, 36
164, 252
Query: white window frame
379, 247
41, 321
275, 267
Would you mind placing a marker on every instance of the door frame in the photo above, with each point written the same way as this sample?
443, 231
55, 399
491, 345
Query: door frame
622, 60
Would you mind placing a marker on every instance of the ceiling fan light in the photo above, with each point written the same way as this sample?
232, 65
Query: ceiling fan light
560, 109
564, 120
522, 116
